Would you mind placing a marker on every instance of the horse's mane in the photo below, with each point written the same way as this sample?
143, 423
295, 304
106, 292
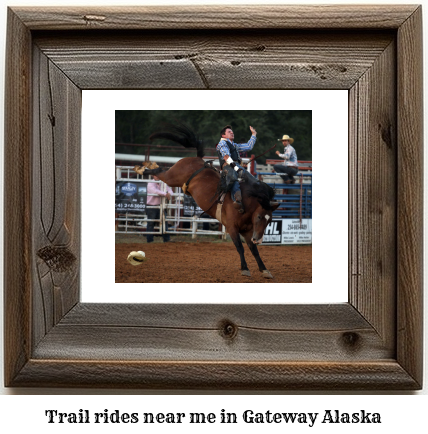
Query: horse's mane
262, 192
181, 134
252, 188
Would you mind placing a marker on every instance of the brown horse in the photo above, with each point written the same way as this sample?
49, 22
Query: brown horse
203, 185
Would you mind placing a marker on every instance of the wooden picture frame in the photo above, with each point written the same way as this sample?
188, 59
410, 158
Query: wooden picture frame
372, 342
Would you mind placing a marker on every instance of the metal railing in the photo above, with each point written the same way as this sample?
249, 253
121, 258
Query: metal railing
295, 202
295, 199
172, 218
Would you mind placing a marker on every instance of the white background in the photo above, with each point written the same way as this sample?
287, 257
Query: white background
399, 412
330, 192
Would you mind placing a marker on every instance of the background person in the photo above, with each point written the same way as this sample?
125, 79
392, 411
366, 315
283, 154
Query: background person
154, 213
290, 165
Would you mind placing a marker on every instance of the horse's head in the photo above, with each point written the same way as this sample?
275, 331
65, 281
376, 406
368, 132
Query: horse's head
261, 218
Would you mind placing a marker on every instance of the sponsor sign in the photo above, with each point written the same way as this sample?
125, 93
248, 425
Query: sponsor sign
273, 232
131, 197
288, 231
294, 232
190, 207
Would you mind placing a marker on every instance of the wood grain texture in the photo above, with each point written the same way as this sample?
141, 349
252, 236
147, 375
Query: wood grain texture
56, 194
199, 332
410, 195
207, 17
372, 342
373, 175
215, 60
385, 375
17, 220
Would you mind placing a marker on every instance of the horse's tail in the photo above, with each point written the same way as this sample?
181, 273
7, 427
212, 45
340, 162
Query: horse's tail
183, 135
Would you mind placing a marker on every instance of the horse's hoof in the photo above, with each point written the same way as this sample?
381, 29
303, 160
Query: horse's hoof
267, 274
246, 273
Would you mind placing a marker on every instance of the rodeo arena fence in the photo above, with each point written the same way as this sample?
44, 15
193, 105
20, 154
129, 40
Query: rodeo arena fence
291, 223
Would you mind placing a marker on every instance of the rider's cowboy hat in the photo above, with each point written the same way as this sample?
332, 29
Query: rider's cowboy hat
285, 137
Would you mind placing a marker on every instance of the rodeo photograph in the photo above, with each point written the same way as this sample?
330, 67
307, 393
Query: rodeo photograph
213, 196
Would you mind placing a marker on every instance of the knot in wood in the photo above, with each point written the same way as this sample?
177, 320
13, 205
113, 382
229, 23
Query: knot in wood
386, 134
228, 330
94, 18
58, 259
351, 340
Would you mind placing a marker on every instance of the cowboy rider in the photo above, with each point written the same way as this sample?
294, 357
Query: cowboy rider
290, 166
227, 151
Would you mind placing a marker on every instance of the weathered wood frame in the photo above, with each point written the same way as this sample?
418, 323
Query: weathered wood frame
372, 342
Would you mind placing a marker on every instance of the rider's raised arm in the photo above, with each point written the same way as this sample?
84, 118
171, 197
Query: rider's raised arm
246, 146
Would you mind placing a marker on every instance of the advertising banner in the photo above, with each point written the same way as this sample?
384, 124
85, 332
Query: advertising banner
273, 233
190, 207
288, 231
131, 197
296, 232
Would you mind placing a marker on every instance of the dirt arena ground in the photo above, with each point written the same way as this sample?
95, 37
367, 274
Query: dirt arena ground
208, 260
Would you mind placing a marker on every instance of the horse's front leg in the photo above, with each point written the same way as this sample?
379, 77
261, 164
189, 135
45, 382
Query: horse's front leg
240, 248
255, 251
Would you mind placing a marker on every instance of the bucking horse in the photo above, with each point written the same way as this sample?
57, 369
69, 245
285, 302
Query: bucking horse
210, 190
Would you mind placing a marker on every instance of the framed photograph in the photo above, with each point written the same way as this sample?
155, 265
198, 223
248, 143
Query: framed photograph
373, 341
207, 260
